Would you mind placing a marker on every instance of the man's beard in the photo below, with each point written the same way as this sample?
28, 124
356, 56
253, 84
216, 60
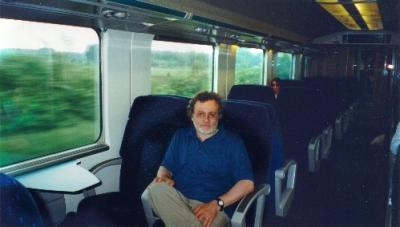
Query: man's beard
210, 132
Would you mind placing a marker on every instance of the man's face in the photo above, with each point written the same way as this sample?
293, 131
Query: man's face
205, 117
276, 87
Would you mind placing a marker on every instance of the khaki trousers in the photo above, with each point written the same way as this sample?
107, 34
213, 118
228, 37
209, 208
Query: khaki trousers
176, 210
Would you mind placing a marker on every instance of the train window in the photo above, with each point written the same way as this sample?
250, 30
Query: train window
249, 66
283, 66
49, 90
180, 68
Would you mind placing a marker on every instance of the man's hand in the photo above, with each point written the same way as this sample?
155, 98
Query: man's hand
163, 175
206, 212
165, 179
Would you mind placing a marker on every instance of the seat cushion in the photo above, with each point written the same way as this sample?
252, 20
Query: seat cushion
111, 209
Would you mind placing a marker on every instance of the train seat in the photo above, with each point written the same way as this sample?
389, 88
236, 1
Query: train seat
252, 92
303, 123
146, 137
152, 122
257, 95
297, 135
245, 118
17, 206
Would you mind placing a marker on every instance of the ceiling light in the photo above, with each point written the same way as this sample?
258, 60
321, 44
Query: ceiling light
369, 11
340, 13
107, 13
171, 18
147, 24
201, 30
120, 15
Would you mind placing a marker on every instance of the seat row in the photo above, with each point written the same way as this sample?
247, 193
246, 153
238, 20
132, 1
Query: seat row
310, 112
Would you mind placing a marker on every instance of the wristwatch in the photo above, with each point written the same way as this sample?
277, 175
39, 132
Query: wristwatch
220, 203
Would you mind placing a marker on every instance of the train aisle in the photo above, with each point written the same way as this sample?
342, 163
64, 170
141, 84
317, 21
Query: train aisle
351, 188
356, 177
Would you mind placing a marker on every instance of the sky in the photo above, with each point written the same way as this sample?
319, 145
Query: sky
34, 35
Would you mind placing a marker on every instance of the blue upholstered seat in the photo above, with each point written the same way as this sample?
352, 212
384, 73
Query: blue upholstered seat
300, 111
253, 122
261, 95
152, 122
251, 92
17, 206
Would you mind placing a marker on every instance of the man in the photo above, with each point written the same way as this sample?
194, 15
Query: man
205, 169
276, 86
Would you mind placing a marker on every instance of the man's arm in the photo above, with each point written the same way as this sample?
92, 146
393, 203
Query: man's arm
237, 192
163, 175
208, 211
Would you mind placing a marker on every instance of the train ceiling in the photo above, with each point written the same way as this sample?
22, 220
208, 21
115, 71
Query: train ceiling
311, 18
280, 24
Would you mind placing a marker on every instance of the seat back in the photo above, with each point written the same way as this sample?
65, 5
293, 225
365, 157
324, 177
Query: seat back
17, 206
252, 122
296, 133
302, 112
152, 121
258, 93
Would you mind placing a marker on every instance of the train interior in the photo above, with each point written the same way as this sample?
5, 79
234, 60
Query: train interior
329, 164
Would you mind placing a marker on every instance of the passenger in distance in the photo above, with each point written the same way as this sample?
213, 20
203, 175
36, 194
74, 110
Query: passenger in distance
276, 86
205, 170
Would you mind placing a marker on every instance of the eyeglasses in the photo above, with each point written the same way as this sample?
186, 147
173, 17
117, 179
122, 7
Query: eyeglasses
275, 85
203, 115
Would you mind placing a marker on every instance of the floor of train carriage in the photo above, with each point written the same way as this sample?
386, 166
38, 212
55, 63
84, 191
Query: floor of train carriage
351, 188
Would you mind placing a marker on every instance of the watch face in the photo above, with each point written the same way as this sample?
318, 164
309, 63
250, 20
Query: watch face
220, 203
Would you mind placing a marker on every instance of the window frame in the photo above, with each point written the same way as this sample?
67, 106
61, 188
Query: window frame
94, 147
194, 42
261, 77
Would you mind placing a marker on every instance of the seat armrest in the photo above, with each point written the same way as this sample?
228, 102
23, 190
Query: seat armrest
338, 127
95, 169
106, 163
326, 142
314, 148
238, 218
284, 196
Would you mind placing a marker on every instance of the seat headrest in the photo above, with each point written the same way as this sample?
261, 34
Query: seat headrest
257, 93
152, 121
153, 113
252, 123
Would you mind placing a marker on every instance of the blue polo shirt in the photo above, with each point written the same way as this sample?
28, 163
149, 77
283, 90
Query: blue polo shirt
208, 169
